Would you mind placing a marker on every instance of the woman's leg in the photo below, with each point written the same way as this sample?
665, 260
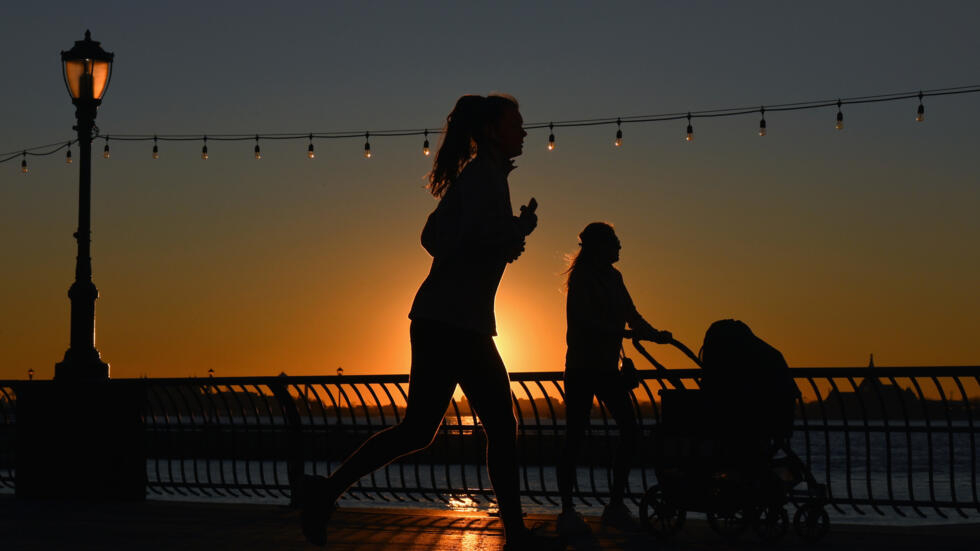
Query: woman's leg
578, 405
620, 406
430, 389
486, 384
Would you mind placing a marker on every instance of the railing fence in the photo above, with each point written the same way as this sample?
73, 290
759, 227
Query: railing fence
896, 440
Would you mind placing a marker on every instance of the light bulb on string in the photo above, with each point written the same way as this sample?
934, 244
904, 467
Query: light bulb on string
920, 114
619, 132
23, 163
425, 144
105, 150
690, 129
258, 152
840, 117
309, 150
762, 122
367, 145
204, 149
551, 137
156, 150
68, 154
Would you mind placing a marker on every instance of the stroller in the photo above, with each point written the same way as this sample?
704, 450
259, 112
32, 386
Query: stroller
723, 449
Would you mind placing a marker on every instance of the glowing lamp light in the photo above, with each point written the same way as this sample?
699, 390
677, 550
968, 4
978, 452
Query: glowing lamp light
551, 137
156, 150
105, 150
309, 150
367, 145
619, 133
23, 163
920, 114
68, 154
258, 152
425, 144
87, 68
690, 129
204, 150
840, 117
762, 123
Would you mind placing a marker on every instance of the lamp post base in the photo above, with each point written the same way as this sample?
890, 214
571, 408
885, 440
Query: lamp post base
81, 440
84, 365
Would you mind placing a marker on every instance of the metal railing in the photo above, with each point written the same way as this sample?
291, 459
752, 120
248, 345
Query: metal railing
895, 440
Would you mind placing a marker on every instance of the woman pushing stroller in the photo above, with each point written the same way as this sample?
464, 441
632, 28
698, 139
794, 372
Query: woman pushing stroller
598, 309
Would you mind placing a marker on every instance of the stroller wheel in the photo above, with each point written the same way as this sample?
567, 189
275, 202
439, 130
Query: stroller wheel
729, 525
811, 522
771, 524
659, 517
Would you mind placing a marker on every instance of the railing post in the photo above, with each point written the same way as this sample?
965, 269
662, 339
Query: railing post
294, 438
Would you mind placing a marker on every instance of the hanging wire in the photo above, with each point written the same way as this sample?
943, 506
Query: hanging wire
551, 125
37, 151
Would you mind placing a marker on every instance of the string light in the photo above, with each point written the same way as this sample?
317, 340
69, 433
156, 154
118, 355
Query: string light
762, 123
23, 163
309, 150
551, 137
204, 150
619, 132
68, 154
105, 150
425, 144
258, 152
367, 145
45, 150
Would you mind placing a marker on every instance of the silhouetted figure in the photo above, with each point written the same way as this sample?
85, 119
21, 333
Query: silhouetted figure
471, 235
599, 307
748, 379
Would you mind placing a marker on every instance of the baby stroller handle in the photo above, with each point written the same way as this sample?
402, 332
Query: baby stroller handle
687, 351
676, 382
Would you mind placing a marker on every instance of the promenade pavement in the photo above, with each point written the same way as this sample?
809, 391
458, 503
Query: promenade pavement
157, 525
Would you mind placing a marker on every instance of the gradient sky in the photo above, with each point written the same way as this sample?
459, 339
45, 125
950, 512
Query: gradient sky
830, 245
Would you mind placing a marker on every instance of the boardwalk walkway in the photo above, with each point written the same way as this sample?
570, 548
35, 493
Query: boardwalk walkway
155, 525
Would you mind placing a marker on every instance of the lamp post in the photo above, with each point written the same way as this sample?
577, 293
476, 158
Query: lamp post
87, 68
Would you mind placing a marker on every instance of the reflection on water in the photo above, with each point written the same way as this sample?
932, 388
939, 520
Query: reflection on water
463, 424
464, 504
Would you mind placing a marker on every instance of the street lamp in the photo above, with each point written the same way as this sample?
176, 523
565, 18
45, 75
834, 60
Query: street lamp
87, 68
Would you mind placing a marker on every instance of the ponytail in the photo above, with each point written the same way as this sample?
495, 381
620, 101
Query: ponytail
466, 128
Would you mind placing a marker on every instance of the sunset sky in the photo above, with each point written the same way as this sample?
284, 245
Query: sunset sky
830, 244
